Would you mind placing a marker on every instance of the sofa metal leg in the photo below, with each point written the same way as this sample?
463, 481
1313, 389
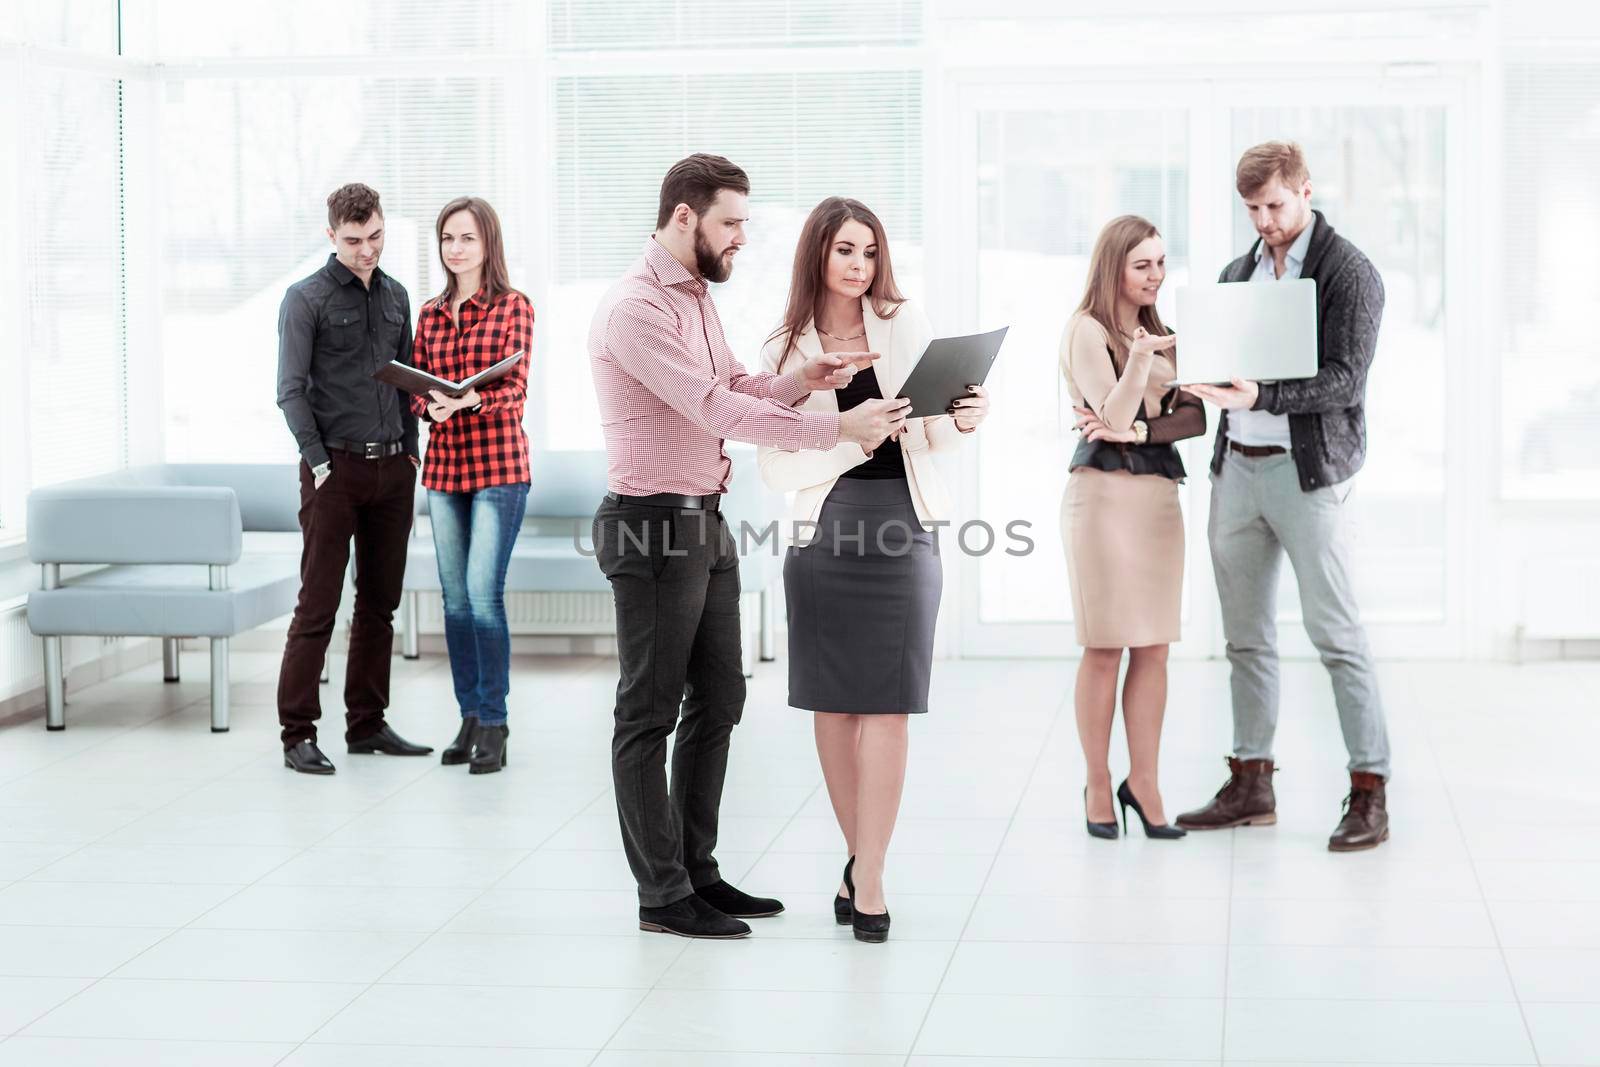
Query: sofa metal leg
55, 686
219, 685
169, 659
769, 651
410, 643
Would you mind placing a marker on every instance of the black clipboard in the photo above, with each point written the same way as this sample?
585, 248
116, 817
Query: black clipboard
421, 382
947, 367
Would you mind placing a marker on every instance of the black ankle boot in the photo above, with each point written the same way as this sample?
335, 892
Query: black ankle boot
488, 749
460, 750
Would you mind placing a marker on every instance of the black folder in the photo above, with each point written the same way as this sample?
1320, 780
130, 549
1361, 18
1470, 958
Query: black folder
949, 365
420, 382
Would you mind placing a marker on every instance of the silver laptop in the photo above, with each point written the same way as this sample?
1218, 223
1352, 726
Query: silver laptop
1259, 331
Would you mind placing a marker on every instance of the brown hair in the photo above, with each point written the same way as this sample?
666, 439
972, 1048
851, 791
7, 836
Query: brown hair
496, 279
1120, 236
696, 181
810, 264
1274, 159
352, 203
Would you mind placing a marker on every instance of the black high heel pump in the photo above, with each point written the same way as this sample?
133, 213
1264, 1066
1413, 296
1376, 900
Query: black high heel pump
1106, 831
873, 929
1164, 832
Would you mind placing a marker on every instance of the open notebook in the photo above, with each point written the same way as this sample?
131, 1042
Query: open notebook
420, 382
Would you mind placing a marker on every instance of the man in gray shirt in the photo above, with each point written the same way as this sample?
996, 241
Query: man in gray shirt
358, 446
1285, 454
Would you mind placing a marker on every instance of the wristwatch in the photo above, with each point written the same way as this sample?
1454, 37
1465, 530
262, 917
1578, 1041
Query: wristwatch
1141, 431
322, 470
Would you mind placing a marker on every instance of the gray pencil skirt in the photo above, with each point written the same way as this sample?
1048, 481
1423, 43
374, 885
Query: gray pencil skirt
862, 599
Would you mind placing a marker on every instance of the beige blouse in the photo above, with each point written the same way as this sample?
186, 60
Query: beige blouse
1086, 361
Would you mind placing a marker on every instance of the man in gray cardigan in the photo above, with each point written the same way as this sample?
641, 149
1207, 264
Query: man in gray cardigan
1280, 475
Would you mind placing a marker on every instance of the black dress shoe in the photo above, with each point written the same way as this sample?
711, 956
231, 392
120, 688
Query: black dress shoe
692, 917
488, 749
460, 750
307, 758
871, 928
730, 901
387, 742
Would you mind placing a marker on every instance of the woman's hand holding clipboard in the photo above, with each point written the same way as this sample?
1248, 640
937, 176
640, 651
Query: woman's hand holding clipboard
948, 370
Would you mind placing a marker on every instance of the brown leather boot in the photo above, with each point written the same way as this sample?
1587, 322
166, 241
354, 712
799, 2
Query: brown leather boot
1246, 799
1366, 815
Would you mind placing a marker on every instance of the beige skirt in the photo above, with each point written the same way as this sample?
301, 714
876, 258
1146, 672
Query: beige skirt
1123, 535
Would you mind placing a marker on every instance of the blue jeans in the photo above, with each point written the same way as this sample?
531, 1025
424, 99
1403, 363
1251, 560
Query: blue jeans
473, 534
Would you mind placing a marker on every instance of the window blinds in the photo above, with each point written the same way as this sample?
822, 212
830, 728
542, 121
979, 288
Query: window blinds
247, 168
800, 137
1550, 384
76, 340
597, 25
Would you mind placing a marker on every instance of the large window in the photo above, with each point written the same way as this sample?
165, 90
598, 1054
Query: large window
1550, 380
249, 165
64, 311
77, 344
800, 136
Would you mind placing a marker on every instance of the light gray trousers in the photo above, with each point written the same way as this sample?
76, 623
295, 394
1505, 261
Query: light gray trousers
1259, 514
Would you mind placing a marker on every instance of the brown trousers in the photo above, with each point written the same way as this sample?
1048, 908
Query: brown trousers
369, 501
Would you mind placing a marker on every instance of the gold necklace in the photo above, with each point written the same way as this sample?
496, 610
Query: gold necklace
836, 337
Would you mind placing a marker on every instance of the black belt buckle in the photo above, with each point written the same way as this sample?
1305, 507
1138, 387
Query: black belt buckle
372, 450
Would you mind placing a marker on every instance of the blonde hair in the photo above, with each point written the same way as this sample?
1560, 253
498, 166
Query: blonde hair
1119, 237
1273, 159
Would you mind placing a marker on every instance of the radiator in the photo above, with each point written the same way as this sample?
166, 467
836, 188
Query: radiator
536, 613
86, 660
21, 662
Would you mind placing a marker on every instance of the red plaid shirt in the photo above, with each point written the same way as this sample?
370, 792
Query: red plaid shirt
467, 451
671, 391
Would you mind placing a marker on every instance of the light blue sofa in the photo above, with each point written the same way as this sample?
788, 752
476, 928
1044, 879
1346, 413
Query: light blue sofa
567, 487
170, 558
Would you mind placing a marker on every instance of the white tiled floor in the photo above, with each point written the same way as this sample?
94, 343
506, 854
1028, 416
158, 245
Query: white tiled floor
172, 897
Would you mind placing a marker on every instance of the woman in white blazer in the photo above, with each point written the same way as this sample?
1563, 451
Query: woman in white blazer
861, 576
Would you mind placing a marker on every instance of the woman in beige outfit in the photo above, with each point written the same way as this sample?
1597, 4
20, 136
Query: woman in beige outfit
1120, 521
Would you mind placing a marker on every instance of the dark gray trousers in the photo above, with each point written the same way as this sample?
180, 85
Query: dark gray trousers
674, 576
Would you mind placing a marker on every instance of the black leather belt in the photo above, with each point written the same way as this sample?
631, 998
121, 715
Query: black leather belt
1256, 451
711, 502
367, 449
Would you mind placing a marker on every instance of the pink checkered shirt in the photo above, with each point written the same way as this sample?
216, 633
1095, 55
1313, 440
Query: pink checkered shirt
671, 390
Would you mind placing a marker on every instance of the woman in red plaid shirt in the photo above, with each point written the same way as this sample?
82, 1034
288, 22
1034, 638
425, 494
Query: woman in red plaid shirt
476, 466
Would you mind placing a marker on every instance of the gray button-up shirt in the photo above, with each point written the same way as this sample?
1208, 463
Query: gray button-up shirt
333, 335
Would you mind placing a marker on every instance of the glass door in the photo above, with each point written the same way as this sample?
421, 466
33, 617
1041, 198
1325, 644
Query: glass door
1049, 167
1044, 164
1381, 174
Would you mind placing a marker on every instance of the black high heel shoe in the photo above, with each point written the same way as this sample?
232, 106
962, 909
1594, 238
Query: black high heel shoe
873, 929
1164, 832
841, 903
1106, 831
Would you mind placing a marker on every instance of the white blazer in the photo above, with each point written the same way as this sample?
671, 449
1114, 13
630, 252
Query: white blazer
810, 474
